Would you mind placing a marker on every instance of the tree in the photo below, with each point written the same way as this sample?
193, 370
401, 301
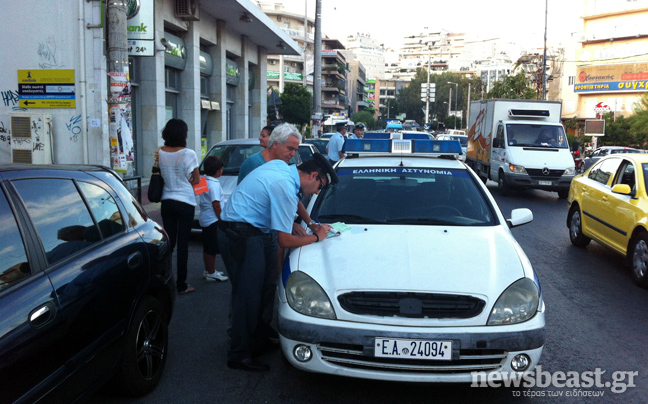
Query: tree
364, 117
513, 87
297, 101
639, 122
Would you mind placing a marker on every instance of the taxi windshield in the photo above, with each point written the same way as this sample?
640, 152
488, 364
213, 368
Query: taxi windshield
418, 196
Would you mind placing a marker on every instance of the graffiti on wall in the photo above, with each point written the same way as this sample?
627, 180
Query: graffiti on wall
4, 134
9, 98
74, 127
47, 53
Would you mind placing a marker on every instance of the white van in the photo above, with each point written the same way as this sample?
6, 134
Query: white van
520, 144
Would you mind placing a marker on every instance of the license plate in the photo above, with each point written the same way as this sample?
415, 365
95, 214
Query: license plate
544, 182
413, 349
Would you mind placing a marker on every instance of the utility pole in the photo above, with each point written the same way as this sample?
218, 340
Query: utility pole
317, 59
305, 72
468, 108
544, 57
117, 72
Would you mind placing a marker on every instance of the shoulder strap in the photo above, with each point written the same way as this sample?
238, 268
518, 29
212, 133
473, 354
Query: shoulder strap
156, 159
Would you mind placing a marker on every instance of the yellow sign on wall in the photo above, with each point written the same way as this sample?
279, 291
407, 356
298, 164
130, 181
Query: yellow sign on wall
46, 88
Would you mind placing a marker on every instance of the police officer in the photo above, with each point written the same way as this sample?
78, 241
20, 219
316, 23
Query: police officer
266, 200
335, 144
358, 132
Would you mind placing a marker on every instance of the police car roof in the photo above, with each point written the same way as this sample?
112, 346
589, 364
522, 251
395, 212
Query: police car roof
392, 160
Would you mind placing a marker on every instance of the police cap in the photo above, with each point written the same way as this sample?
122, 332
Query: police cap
326, 168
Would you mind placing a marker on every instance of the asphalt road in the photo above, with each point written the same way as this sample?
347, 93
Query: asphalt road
596, 322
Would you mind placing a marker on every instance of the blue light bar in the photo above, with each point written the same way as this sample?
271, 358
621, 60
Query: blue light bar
437, 146
419, 136
367, 146
377, 135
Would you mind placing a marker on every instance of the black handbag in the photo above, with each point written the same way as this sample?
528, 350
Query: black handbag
157, 182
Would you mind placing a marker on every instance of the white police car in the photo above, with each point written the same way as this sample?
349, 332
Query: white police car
427, 285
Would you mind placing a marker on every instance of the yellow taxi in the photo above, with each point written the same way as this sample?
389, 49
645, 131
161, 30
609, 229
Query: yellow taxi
608, 204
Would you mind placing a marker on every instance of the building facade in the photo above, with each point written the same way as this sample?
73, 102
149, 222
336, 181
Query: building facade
203, 62
334, 79
611, 68
291, 69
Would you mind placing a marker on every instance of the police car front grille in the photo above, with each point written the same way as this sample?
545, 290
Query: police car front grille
411, 305
469, 360
537, 172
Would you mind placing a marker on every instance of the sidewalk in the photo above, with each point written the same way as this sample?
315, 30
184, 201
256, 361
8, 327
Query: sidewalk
151, 208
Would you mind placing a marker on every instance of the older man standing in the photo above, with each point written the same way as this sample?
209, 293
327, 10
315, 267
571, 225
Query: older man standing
335, 144
264, 203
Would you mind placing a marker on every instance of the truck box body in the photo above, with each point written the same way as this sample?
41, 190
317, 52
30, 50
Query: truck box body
520, 144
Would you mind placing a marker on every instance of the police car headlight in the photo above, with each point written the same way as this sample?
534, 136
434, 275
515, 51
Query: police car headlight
517, 169
307, 297
518, 303
570, 171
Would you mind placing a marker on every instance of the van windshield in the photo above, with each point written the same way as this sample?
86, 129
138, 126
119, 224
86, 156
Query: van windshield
525, 135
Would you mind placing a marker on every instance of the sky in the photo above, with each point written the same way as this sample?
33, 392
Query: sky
390, 21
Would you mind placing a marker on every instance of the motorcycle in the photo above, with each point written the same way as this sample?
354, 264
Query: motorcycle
578, 161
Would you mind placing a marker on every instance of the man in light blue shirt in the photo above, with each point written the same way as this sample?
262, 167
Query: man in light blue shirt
264, 202
335, 144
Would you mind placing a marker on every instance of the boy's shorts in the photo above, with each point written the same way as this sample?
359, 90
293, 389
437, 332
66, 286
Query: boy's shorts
210, 244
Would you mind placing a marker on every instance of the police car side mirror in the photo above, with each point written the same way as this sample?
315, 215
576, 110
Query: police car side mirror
519, 217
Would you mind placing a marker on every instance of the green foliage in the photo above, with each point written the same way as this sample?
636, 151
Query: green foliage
408, 100
513, 87
572, 123
639, 122
364, 117
297, 101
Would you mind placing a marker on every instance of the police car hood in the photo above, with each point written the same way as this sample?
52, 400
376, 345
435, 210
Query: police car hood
477, 261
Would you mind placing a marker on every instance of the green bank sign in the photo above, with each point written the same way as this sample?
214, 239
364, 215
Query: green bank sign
140, 23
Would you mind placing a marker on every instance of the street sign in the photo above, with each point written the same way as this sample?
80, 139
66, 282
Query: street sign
46, 88
595, 127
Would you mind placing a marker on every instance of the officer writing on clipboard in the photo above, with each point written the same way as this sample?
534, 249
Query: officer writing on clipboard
265, 200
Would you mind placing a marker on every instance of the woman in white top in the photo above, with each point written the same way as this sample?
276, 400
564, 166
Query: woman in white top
179, 168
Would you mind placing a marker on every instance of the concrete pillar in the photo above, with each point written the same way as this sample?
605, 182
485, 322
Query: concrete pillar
152, 100
241, 106
219, 84
189, 101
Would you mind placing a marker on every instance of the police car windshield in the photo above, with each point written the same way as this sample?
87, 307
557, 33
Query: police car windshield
233, 156
413, 196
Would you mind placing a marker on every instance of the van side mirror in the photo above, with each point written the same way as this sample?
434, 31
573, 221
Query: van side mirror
496, 142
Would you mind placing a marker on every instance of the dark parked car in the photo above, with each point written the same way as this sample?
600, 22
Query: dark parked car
86, 286
321, 144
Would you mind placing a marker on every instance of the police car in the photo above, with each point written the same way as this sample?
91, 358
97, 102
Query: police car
423, 282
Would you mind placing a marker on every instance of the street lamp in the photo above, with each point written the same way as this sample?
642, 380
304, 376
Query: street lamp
456, 96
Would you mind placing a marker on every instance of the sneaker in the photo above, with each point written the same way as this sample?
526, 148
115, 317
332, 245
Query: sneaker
205, 273
216, 276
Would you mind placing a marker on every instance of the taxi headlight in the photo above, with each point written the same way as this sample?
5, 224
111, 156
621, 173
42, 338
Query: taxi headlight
517, 169
305, 296
570, 171
518, 303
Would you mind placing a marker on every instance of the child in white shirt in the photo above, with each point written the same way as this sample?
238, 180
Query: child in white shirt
210, 210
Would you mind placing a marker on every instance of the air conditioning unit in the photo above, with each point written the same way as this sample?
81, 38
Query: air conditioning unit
272, 62
188, 10
31, 138
293, 64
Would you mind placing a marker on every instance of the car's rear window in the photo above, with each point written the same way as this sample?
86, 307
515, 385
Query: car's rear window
405, 196
233, 156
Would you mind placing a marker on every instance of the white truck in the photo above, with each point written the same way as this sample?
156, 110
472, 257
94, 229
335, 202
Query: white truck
520, 144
